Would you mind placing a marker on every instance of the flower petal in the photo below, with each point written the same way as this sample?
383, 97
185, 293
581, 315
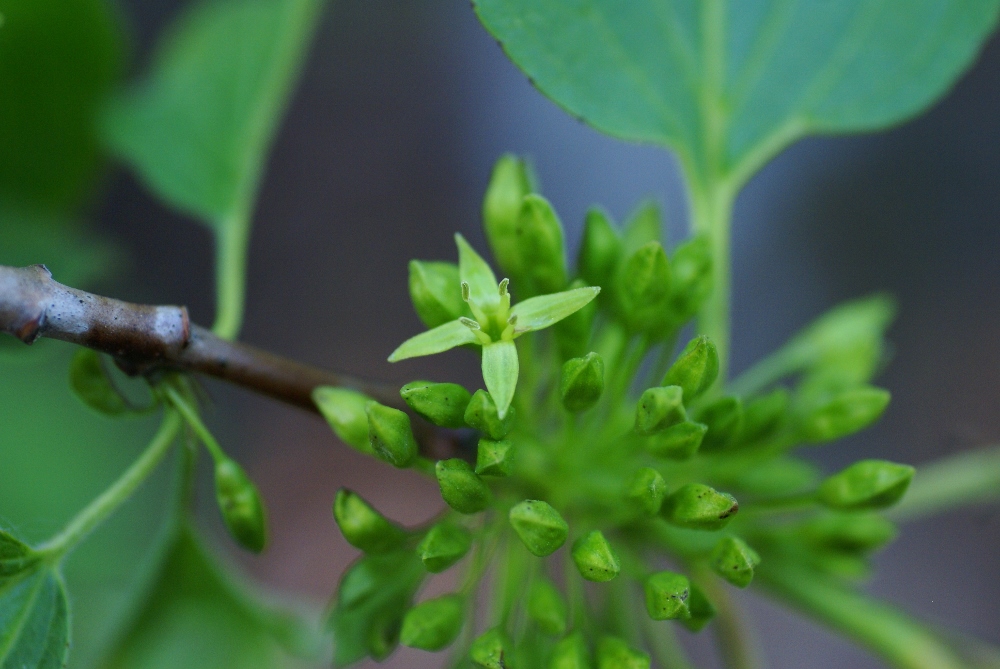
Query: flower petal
473, 270
542, 311
441, 338
500, 373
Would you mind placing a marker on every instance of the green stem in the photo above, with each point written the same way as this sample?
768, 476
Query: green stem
732, 629
232, 243
187, 410
108, 501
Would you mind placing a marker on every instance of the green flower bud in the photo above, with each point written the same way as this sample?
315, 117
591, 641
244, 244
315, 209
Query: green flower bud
724, 418
658, 409
443, 404
614, 653
444, 545
734, 560
433, 624
867, 484
345, 411
695, 368
364, 527
241, 506
461, 488
667, 596
701, 608
390, 435
547, 608
762, 416
573, 332
848, 412
698, 507
595, 559
679, 442
492, 649
435, 290
599, 250
848, 532
643, 287
581, 382
644, 225
646, 491
570, 653
691, 274
510, 182
481, 414
540, 245
540, 527
494, 458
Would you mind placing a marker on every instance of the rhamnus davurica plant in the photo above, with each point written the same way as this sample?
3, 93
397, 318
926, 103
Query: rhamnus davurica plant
618, 486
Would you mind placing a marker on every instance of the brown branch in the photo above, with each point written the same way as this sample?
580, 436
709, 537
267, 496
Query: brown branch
145, 339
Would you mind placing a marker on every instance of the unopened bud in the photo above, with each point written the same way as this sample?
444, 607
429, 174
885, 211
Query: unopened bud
846, 413
667, 596
443, 404
724, 418
540, 245
644, 225
547, 608
433, 624
698, 507
492, 650
695, 368
734, 560
691, 273
582, 382
867, 484
679, 442
443, 545
643, 287
658, 409
614, 653
594, 558
481, 414
510, 182
600, 249
762, 416
494, 458
241, 505
345, 411
390, 435
435, 292
461, 488
849, 532
570, 653
540, 527
573, 332
646, 491
701, 608
364, 527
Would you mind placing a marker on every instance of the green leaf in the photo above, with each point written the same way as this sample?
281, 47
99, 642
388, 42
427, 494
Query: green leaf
500, 368
728, 84
90, 382
438, 340
34, 618
540, 312
16, 557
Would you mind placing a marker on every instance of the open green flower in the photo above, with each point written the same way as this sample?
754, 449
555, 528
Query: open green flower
497, 324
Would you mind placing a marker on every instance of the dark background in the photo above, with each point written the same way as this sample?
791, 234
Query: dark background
385, 152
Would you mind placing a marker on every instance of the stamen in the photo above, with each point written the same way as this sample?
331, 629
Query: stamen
469, 323
465, 291
503, 287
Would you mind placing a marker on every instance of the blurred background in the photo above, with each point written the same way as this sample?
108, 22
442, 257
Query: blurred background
385, 152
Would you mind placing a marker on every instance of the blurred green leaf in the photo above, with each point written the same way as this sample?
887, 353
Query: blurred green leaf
729, 83
34, 613
92, 385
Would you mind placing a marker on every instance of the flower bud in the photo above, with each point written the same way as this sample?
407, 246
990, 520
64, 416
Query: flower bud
595, 559
599, 250
540, 244
734, 560
643, 287
570, 653
461, 488
646, 491
444, 545
345, 411
867, 484
698, 507
364, 527
701, 608
848, 532
691, 277
510, 182
762, 416
436, 293
494, 458
695, 368
492, 650
547, 608
481, 414
848, 412
539, 526
724, 418
679, 442
443, 404
667, 596
573, 332
582, 382
614, 653
644, 225
241, 505
433, 624
659, 408
390, 435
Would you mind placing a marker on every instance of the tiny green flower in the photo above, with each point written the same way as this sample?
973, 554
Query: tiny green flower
433, 624
614, 653
510, 181
600, 249
698, 507
482, 415
867, 484
346, 412
443, 546
724, 418
679, 442
695, 368
494, 458
390, 435
667, 596
571, 653
646, 491
364, 527
547, 608
539, 526
659, 409
846, 413
581, 382
763, 415
443, 404
643, 287
492, 649
701, 608
241, 505
734, 560
461, 487
540, 246
848, 532
436, 292
594, 558
691, 277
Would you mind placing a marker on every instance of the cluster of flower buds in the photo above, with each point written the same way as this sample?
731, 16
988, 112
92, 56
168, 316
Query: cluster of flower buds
601, 450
